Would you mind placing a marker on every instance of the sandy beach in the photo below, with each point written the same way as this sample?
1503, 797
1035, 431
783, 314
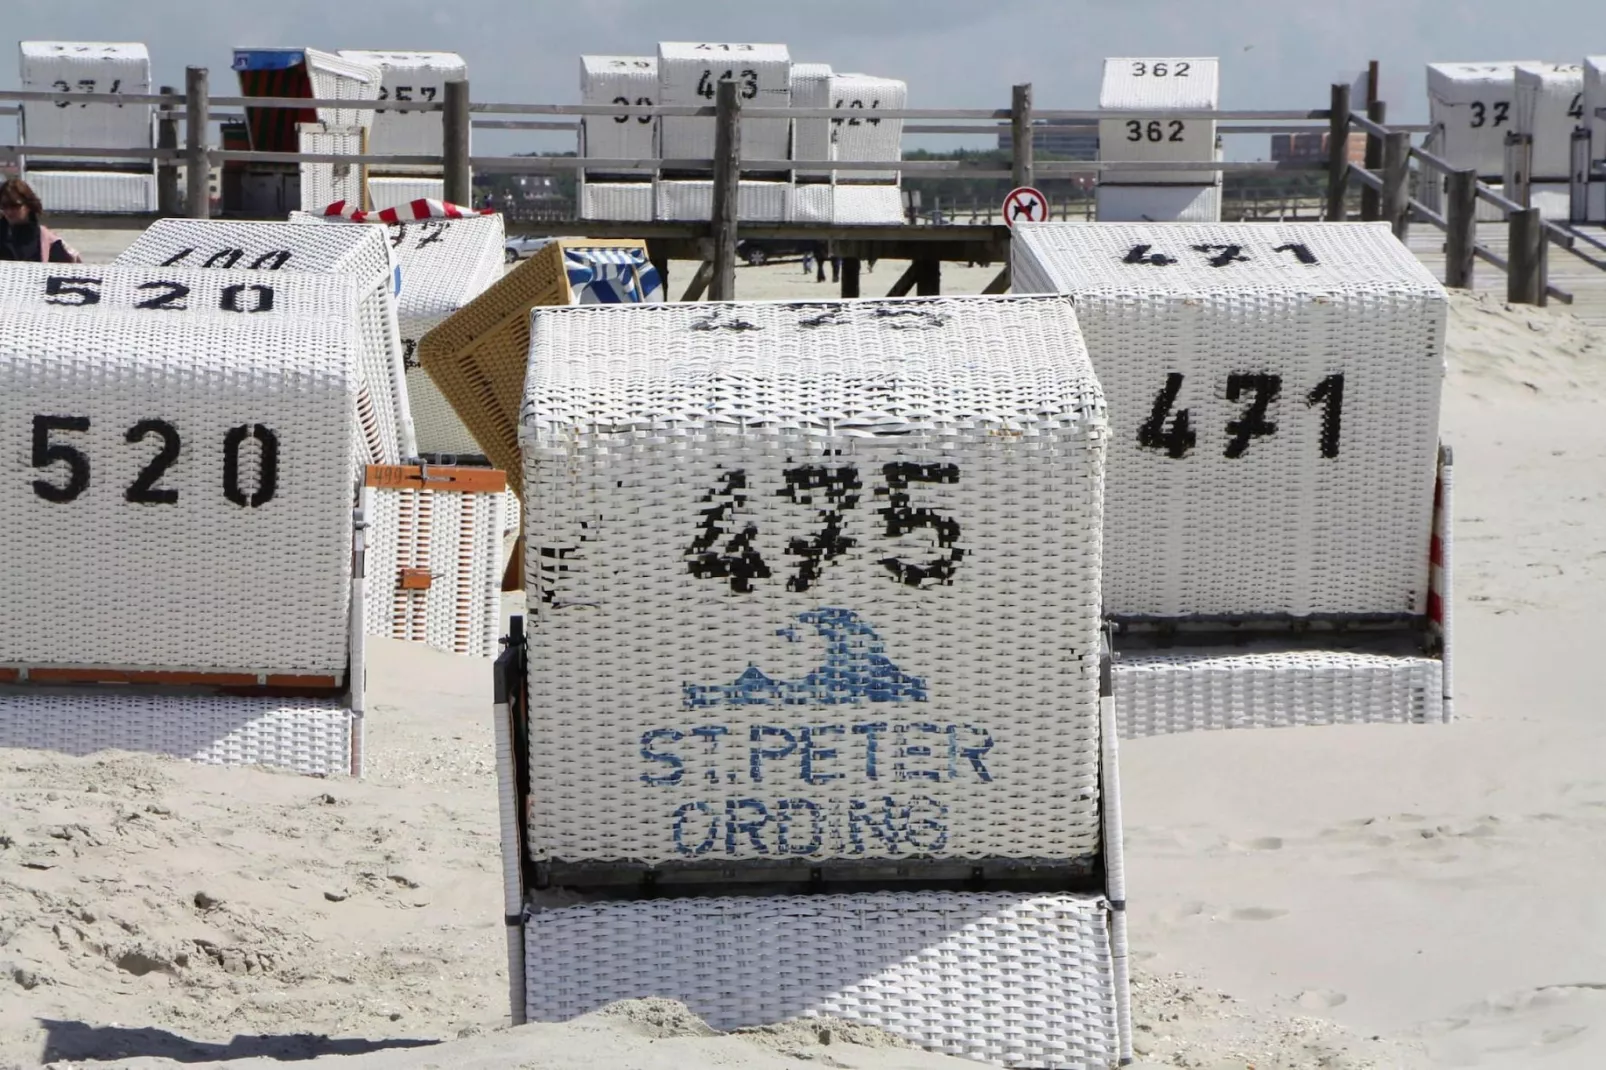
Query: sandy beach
1339, 897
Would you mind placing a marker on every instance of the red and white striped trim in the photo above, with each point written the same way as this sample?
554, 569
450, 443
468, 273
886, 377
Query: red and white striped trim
411, 212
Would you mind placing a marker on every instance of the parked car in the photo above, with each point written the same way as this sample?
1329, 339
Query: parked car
523, 246
758, 251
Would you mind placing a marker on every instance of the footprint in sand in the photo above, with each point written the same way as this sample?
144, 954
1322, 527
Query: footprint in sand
1256, 914
1320, 999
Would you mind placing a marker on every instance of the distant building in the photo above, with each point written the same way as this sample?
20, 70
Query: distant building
1313, 146
1067, 138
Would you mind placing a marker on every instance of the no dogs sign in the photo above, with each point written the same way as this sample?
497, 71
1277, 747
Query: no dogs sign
1025, 204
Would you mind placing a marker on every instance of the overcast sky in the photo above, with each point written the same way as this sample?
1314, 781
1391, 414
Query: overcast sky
953, 53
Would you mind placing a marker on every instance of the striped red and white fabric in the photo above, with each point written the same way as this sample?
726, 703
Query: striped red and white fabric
407, 213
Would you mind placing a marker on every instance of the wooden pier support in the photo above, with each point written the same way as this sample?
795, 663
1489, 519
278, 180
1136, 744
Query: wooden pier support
455, 125
197, 158
1461, 230
1525, 284
727, 189
167, 200
1337, 152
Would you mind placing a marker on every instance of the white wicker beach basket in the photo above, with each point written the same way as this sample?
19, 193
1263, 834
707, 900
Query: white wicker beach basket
737, 511
445, 264
86, 67
192, 443
394, 191
620, 201
409, 76
107, 192
1308, 359
859, 134
1548, 104
1471, 105
688, 73
619, 80
1159, 83
1161, 204
692, 200
811, 88
360, 253
323, 184
1009, 979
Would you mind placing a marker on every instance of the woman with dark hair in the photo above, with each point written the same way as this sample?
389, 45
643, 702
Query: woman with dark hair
22, 236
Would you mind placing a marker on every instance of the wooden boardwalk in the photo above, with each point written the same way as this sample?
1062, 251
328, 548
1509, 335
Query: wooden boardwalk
1584, 281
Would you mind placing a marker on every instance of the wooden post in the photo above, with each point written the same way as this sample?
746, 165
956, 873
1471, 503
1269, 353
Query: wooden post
1371, 202
1000, 283
1337, 153
850, 276
1371, 82
1523, 275
906, 281
928, 277
1542, 286
454, 145
661, 264
197, 160
1020, 119
1397, 182
167, 170
1461, 233
727, 178
699, 282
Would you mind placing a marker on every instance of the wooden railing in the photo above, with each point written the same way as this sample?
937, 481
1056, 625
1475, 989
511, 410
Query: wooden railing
1387, 175
1384, 177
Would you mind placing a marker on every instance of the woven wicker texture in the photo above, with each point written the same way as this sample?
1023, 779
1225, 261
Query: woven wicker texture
302, 735
111, 192
857, 136
1151, 83
355, 252
445, 264
619, 80
477, 356
813, 202
692, 200
1013, 980
738, 511
1471, 103
86, 67
457, 539
1316, 501
867, 204
1164, 204
198, 459
395, 191
409, 76
811, 88
1548, 102
623, 201
323, 184
335, 77
1183, 690
1594, 101
687, 75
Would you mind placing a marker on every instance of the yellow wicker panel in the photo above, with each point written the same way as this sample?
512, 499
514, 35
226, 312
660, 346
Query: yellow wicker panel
477, 356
